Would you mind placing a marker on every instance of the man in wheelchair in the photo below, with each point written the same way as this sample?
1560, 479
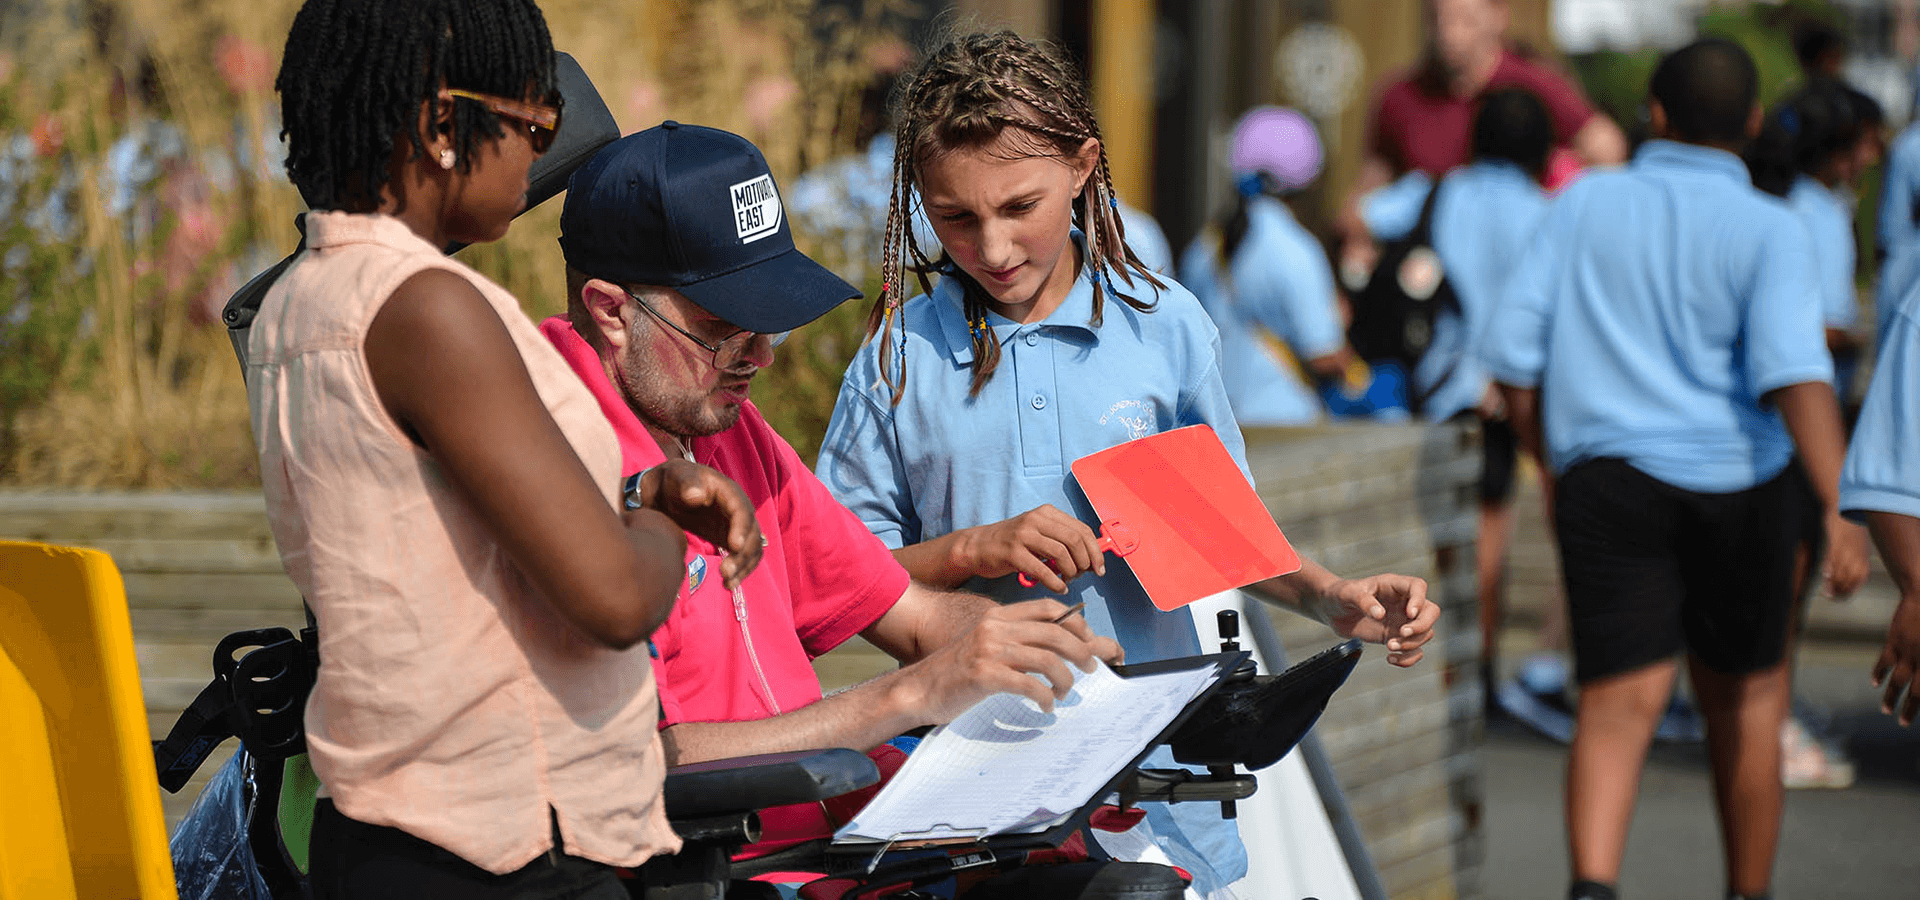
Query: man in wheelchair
674, 305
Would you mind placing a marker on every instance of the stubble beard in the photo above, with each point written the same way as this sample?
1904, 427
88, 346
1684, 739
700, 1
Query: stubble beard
650, 393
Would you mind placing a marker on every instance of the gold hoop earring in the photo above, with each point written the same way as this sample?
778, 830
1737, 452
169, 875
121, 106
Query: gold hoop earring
447, 158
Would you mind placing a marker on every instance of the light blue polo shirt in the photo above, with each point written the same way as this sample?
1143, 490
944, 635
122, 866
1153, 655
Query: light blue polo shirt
941, 461
1278, 283
1882, 473
1899, 275
1482, 221
1900, 191
1899, 235
1147, 240
1655, 307
1829, 221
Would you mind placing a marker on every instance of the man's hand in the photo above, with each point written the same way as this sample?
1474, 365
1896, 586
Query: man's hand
707, 504
1845, 568
1010, 649
1382, 609
961, 652
1026, 543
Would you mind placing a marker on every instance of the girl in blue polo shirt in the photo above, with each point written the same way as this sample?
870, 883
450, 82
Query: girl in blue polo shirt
1045, 340
1808, 154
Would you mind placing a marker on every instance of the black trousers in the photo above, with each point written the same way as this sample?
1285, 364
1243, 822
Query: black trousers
352, 860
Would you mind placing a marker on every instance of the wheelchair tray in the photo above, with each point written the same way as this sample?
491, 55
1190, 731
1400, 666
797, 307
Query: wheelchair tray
842, 855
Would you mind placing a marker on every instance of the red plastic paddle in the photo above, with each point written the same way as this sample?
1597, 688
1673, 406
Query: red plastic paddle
1178, 509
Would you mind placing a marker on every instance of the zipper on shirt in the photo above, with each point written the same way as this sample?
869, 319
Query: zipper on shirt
746, 635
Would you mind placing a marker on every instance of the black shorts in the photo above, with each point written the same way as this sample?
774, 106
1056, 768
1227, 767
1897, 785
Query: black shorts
1652, 569
1500, 452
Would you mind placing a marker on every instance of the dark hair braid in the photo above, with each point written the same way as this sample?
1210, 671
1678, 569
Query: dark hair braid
965, 95
356, 72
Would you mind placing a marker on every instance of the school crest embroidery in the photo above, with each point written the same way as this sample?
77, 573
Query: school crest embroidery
1134, 415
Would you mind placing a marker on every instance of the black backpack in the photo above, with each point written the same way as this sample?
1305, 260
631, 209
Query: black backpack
1394, 314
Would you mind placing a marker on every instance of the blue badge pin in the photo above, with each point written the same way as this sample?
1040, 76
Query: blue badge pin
696, 573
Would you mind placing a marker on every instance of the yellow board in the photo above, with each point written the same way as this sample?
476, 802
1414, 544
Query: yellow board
79, 804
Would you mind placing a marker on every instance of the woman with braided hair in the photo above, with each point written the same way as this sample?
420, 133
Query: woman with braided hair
1044, 340
443, 489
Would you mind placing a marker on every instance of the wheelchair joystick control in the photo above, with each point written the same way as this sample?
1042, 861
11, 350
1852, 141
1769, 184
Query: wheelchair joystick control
1228, 623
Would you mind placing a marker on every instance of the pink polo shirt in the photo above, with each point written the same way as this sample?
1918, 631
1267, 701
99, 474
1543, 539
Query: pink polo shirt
728, 656
452, 702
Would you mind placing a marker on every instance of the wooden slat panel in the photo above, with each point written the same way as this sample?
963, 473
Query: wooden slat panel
256, 555
77, 518
258, 591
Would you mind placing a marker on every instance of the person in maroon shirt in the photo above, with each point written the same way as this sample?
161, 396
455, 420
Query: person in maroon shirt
1421, 118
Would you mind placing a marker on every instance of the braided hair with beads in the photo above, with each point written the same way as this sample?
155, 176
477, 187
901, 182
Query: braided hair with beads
356, 72
965, 95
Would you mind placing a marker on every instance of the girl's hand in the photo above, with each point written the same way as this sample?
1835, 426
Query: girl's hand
1845, 567
1383, 609
1898, 668
1028, 543
707, 504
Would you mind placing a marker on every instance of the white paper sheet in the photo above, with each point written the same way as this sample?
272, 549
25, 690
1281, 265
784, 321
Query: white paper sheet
1005, 767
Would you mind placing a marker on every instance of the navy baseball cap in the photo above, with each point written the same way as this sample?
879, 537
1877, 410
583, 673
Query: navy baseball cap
695, 209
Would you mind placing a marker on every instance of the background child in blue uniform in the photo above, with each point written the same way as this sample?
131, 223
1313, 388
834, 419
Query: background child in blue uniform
1265, 281
1660, 323
1881, 486
1807, 153
1484, 215
1045, 340
1898, 226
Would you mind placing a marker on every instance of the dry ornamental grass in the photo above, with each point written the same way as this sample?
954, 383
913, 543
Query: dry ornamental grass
140, 184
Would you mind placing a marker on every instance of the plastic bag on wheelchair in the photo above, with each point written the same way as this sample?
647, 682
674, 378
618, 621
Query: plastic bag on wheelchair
212, 857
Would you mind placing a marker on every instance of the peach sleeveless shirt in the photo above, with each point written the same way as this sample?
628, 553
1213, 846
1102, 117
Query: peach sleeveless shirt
452, 702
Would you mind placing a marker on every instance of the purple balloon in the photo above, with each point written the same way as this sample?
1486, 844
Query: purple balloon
1279, 142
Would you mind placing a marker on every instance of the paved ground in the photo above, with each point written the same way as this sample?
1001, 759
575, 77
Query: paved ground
1863, 842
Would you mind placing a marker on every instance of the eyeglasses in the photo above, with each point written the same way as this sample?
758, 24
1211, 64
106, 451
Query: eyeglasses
542, 119
731, 349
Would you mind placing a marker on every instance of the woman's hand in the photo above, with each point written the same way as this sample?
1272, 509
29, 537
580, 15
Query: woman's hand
709, 505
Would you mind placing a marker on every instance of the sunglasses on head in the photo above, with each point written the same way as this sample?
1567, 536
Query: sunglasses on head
542, 119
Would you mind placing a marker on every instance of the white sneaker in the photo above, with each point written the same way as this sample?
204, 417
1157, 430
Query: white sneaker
1806, 763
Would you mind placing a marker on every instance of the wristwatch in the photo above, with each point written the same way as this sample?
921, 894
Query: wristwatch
630, 489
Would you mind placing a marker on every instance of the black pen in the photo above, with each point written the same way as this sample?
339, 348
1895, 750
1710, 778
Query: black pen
1070, 611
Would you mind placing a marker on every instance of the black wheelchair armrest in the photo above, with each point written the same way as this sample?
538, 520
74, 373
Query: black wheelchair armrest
714, 806
725, 787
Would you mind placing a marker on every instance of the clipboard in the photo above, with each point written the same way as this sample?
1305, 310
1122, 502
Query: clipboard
864, 854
